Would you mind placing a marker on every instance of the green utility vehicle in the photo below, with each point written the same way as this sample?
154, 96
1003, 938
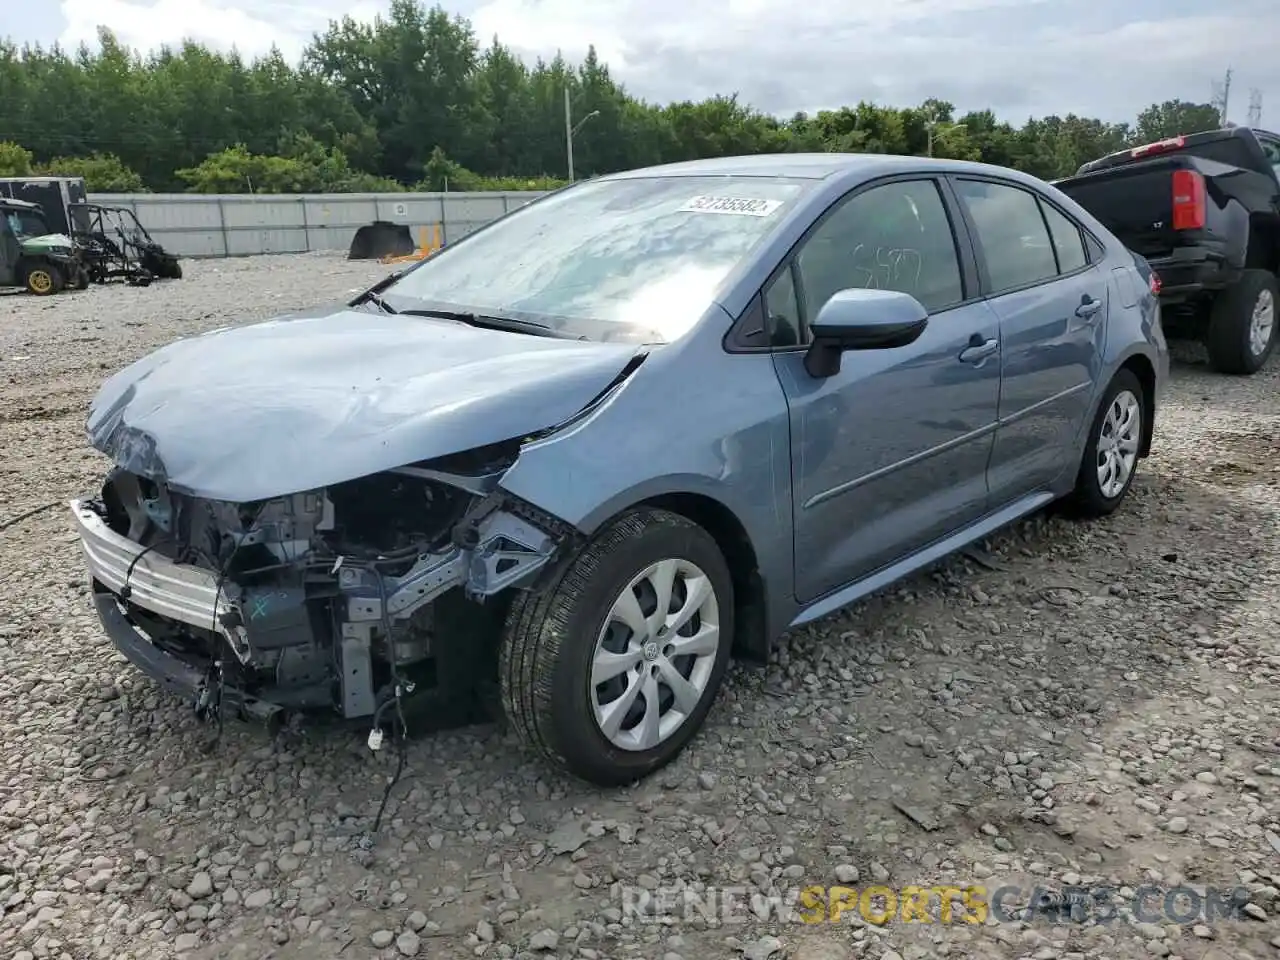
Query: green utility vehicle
32, 256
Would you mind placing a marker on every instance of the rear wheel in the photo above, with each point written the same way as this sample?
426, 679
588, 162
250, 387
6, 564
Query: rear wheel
610, 671
43, 279
1242, 324
1110, 459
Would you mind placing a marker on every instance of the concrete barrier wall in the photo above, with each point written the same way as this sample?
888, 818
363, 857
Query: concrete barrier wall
234, 225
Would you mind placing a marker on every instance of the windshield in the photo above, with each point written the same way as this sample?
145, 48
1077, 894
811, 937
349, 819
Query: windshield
25, 224
614, 259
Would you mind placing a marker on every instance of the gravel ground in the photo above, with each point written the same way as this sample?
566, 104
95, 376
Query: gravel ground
1073, 706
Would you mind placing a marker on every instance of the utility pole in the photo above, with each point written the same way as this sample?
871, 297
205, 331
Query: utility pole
1255, 108
1222, 97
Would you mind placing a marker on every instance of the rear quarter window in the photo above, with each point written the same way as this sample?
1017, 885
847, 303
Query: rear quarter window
1068, 240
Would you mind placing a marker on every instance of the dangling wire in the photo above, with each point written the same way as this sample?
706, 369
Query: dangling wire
126, 591
399, 687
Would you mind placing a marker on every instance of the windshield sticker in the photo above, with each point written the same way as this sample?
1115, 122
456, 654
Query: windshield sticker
741, 206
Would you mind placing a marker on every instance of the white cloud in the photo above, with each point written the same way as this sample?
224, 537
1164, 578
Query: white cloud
146, 26
1020, 57
622, 29
248, 26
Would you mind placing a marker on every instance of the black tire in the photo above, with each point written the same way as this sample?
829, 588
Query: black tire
1088, 499
162, 266
549, 640
81, 280
1231, 319
44, 279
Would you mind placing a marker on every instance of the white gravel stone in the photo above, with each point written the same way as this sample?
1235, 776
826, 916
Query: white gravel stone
201, 886
259, 898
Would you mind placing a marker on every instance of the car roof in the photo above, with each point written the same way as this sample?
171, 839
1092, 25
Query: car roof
819, 166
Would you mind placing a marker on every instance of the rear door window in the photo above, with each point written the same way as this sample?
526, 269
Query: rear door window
1011, 233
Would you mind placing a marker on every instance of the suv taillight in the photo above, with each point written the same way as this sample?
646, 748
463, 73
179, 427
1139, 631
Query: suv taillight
1188, 200
1155, 284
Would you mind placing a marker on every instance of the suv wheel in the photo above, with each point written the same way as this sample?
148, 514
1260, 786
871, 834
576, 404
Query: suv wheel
612, 668
1242, 324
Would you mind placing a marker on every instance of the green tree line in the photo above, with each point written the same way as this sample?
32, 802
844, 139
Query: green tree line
414, 100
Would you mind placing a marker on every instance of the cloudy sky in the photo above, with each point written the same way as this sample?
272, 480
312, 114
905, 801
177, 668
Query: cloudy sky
1104, 58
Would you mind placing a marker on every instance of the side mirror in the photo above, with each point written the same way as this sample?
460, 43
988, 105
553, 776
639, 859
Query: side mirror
858, 319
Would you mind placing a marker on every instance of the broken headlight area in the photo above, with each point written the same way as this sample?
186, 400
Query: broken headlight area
345, 598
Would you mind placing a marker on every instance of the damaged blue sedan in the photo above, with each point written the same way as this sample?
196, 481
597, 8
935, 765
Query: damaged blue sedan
586, 453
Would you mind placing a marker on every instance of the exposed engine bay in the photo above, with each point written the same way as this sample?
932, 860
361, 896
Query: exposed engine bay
348, 598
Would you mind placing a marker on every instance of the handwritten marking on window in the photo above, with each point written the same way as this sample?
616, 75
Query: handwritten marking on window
888, 268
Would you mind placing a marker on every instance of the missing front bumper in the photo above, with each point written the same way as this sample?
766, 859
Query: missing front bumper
367, 608
174, 675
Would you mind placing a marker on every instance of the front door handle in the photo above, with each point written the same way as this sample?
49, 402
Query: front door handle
1088, 308
978, 349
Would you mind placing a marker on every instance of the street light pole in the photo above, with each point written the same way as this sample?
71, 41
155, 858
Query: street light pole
568, 131
932, 124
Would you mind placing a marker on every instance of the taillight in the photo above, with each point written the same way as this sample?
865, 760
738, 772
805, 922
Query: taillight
1160, 146
1188, 200
1155, 284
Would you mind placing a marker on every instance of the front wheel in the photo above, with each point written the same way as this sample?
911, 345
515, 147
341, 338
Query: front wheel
44, 279
1111, 453
610, 670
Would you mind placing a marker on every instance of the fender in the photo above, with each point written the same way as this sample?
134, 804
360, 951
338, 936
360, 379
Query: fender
733, 450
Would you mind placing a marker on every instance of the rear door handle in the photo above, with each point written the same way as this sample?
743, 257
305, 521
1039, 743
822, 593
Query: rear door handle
978, 349
1088, 308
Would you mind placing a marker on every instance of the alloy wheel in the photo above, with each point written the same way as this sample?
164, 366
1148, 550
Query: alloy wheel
655, 655
1118, 442
1262, 323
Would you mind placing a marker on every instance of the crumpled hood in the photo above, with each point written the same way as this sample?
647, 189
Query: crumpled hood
249, 413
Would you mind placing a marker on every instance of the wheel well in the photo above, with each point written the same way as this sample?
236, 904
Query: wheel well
1264, 246
1141, 367
751, 641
